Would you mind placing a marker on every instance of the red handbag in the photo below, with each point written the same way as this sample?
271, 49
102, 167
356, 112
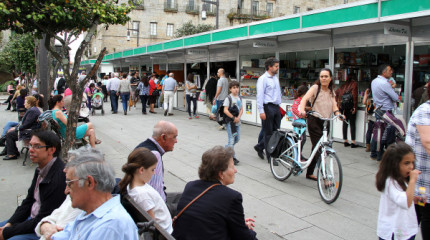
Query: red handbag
283, 112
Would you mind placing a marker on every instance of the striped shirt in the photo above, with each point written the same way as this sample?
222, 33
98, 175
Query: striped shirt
383, 93
157, 181
421, 117
142, 89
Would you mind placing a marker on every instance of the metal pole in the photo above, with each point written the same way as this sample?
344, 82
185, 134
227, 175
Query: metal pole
217, 14
138, 32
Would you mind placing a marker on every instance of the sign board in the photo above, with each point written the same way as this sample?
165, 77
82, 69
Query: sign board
197, 51
395, 29
265, 44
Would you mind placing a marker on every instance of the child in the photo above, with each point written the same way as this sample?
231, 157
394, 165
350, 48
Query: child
97, 101
396, 180
233, 111
138, 170
301, 91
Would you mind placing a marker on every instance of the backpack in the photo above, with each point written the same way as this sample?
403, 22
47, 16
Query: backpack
221, 118
347, 101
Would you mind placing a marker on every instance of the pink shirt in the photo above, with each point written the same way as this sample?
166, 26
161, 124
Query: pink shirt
67, 92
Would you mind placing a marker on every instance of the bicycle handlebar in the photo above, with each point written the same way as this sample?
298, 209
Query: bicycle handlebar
318, 115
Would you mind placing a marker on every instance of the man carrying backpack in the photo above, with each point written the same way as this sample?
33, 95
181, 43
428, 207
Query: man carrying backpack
346, 97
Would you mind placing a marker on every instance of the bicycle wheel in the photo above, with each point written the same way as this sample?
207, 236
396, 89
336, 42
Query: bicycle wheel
330, 183
282, 167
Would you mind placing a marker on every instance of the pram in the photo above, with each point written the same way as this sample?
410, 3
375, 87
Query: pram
95, 106
385, 124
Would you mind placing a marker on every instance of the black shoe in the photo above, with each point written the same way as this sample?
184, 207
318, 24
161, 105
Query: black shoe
165, 113
259, 152
10, 158
3, 141
125, 112
4, 152
235, 161
275, 163
346, 144
354, 145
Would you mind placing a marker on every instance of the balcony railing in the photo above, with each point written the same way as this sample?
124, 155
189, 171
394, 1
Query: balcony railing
170, 6
192, 9
139, 4
246, 14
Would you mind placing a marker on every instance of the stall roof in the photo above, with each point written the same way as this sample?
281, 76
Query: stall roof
353, 14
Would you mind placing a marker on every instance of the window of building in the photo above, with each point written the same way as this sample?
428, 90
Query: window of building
296, 9
269, 8
135, 27
153, 26
170, 3
191, 4
309, 9
255, 5
345, 1
169, 30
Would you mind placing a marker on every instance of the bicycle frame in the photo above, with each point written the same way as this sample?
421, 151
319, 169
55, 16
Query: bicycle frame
324, 144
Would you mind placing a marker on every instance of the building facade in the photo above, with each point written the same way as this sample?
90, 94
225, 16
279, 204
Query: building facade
157, 20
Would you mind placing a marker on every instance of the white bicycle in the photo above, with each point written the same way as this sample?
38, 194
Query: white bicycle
329, 167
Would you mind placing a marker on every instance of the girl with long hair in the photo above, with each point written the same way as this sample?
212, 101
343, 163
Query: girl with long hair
138, 170
396, 180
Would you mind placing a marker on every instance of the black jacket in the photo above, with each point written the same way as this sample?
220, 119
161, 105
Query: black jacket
29, 121
217, 215
51, 191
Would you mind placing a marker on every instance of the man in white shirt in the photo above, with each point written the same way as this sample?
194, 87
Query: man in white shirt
112, 88
169, 90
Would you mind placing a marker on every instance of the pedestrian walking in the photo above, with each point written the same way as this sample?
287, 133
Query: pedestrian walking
268, 101
169, 90
191, 95
222, 91
233, 109
396, 179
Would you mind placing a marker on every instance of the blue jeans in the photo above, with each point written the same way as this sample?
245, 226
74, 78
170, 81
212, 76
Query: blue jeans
8, 126
114, 101
219, 104
29, 236
144, 99
232, 140
125, 97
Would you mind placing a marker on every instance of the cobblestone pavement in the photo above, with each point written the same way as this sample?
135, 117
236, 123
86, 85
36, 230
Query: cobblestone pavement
291, 209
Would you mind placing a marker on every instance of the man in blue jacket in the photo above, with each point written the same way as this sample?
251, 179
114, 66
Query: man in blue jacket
46, 192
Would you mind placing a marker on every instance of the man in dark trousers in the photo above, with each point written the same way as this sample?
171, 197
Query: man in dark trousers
46, 192
268, 101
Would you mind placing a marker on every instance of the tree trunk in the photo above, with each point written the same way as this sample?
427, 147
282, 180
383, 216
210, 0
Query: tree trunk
43, 71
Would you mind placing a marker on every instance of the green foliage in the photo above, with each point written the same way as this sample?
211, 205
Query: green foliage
3, 87
189, 28
42, 16
18, 54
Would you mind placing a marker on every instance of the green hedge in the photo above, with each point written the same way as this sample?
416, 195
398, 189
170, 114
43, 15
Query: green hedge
3, 87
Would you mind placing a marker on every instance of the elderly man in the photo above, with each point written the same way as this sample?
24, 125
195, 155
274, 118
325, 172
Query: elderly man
163, 140
169, 90
46, 192
112, 88
90, 181
221, 90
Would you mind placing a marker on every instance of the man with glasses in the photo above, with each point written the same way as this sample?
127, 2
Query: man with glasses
90, 181
46, 192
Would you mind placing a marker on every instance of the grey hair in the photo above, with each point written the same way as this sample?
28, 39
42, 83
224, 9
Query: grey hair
90, 162
171, 74
115, 74
162, 127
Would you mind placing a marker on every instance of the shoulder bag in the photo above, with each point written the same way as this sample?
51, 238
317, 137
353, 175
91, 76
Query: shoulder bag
189, 204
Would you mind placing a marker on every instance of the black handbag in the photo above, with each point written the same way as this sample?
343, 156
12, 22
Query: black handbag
276, 144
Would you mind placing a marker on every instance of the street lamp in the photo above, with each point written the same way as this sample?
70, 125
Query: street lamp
216, 3
134, 30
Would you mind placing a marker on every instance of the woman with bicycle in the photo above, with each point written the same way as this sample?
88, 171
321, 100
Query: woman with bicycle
322, 98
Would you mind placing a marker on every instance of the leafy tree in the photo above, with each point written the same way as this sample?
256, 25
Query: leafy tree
189, 28
64, 20
18, 54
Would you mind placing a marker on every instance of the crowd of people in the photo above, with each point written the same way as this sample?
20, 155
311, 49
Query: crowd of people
95, 210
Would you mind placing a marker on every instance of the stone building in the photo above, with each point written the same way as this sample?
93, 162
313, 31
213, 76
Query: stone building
157, 20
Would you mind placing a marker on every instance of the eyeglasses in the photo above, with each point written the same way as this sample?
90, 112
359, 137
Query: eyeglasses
69, 182
37, 146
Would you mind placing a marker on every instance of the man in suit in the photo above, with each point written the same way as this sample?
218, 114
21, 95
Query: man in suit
46, 192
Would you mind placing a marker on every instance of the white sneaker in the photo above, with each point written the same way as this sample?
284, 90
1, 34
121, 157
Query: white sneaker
221, 128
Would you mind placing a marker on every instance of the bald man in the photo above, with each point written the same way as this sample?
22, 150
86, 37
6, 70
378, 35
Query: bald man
221, 91
163, 140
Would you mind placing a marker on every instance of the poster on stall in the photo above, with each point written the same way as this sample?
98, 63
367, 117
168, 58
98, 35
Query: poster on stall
248, 107
289, 114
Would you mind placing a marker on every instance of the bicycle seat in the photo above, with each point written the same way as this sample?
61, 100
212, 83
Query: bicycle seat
299, 124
